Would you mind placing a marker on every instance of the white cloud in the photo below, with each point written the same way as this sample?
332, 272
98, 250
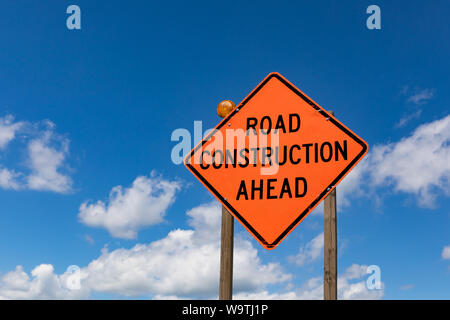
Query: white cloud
312, 289
417, 164
184, 264
355, 271
130, 209
89, 239
46, 157
8, 129
319, 209
357, 291
421, 96
123, 273
446, 253
43, 284
312, 251
351, 186
406, 287
9, 179
351, 286
407, 118
418, 97
266, 295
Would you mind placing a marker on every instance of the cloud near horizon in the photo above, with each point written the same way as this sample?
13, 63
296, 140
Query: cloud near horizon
183, 264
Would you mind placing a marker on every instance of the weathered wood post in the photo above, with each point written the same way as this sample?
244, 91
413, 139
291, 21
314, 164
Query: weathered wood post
330, 246
227, 233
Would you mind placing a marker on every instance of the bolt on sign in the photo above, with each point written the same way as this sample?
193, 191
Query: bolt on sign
274, 158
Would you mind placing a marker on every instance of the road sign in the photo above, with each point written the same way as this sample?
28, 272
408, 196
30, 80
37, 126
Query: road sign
274, 158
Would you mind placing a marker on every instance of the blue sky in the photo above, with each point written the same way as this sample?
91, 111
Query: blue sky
85, 111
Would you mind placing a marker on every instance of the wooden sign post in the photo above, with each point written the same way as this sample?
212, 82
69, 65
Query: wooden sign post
227, 233
226, 256
330, 246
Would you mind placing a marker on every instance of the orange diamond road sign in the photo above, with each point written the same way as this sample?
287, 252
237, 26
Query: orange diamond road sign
274, 158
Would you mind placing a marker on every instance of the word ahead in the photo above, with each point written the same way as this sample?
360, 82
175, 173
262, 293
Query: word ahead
274, 158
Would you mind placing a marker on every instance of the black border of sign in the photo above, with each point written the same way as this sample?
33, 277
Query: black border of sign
322, 194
